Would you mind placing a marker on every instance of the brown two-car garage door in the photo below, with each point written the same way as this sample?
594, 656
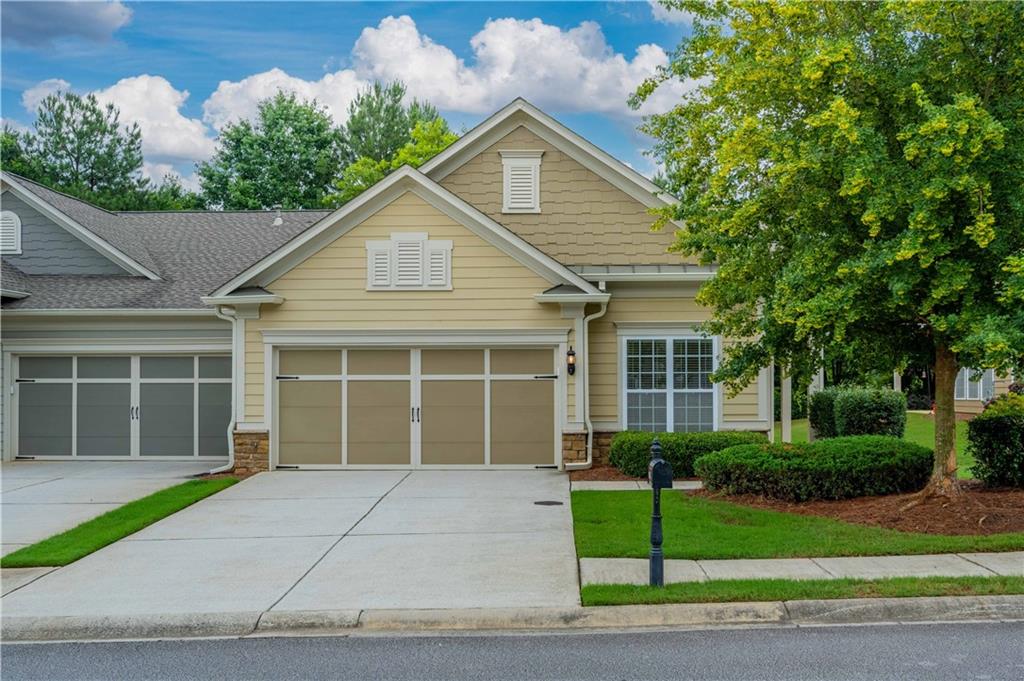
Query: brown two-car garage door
416, 407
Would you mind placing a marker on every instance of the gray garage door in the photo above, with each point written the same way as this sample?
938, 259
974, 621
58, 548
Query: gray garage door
121, 406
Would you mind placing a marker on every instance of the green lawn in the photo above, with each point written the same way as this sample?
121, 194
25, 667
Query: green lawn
93, 535
920, 429
724, 591
617, 525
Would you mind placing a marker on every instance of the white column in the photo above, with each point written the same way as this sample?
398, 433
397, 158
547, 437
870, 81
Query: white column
786, 396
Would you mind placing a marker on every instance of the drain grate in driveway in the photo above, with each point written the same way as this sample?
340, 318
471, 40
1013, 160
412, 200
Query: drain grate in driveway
548, 503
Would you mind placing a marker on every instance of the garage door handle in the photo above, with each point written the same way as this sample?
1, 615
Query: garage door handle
417, 414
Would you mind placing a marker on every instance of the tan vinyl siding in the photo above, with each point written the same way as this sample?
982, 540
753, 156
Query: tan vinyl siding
583, 219
604, 387
490, 290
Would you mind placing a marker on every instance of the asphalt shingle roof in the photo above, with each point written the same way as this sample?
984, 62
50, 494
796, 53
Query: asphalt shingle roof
193, 252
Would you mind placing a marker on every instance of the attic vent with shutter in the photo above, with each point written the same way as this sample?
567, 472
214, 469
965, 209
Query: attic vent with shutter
409, 261
10, 232
521, 180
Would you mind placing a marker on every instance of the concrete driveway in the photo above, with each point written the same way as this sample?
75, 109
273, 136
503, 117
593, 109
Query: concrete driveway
41, 498
334, 540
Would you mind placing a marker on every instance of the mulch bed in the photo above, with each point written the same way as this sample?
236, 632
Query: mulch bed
977, 511
600, 472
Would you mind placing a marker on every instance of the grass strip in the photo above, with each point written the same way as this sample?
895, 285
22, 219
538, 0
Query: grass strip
617, 525
93, 535
747, 590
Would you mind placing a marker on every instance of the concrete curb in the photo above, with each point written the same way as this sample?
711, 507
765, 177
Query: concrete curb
326, 622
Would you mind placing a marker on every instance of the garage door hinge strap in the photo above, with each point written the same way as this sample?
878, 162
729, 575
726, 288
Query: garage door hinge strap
547, 376
287, 378
24, 380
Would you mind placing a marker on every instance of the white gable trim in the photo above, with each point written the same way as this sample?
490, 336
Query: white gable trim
356, 211
78, 231
562, 138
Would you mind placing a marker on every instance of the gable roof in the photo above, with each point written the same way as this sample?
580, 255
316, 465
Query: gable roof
521, 113
353, 213
102, 230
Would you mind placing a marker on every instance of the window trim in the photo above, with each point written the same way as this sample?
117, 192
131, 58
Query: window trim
669, 336
17, 232
520, 158
967, 381
390, 246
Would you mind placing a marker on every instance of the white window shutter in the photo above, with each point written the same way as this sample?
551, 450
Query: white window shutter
409, 263
521, 172
437, 266
10, 232
379, 267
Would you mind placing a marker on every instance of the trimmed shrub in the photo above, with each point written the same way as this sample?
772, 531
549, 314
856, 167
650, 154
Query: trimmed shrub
996, 440
866, 411
631, 450
822, 412
839, 468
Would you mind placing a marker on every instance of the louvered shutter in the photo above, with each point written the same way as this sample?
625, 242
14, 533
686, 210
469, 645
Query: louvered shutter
409, 263
521, 195
437, 266
379, 266
10, 232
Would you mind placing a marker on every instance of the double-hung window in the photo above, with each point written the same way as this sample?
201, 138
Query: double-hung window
974, 385
409, 260
667, 383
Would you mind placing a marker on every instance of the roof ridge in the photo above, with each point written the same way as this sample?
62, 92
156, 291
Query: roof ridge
208, 211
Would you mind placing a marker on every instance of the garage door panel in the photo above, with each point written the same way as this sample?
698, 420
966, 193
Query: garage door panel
310, 422
378, 362
454, 361
104, 426
452, 422
44, 419
166, 419
528, 361
522, 422
310, 362
379, 423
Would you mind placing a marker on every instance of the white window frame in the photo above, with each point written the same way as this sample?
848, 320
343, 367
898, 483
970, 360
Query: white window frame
529, 159
16, 250
669, 337
964, 382
428, 246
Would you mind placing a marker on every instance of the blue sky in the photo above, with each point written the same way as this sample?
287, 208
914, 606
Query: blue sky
183, 70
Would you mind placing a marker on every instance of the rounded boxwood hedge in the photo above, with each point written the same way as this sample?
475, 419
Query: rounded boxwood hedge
996, 440
631, 450
838, 468
867, 411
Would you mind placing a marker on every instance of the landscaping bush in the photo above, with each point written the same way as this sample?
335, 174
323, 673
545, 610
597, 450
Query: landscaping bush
919, 402
866, 411
631, 450
996, 440
822, 412
839, 468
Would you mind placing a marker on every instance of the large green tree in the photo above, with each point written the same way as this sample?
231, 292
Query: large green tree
428, 139
380, 123
288, 156
856, 170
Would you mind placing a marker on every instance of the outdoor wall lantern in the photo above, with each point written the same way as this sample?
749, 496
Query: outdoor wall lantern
570, 361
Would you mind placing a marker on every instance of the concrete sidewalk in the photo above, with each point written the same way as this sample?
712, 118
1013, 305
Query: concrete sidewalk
635, 570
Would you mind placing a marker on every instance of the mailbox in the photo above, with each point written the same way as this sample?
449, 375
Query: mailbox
659, 471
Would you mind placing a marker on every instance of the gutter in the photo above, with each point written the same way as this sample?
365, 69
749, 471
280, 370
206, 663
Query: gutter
585, 344
219, 311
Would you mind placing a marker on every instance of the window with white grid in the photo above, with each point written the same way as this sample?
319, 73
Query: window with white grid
972, 384
667, 384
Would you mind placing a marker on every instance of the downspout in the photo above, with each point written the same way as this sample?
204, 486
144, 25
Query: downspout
219, 311
585, 344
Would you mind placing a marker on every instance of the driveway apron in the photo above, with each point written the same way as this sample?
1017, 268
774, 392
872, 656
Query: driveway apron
334, 540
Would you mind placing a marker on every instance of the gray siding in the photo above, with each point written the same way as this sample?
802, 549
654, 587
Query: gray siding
48, 248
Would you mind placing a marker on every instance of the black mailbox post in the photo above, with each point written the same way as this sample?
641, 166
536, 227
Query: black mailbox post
659, 474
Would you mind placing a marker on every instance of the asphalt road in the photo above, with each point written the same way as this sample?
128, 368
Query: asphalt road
940, 651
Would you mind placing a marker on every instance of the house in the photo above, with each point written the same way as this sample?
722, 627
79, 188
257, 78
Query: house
506, 305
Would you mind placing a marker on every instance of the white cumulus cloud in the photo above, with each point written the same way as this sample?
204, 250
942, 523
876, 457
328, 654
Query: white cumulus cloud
153, 103
38, 24
32, 97
157, 172
665, 15
232, 101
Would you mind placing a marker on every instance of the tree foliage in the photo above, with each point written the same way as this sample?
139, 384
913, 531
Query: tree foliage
288, 156
380, 123
856, 171
427, 139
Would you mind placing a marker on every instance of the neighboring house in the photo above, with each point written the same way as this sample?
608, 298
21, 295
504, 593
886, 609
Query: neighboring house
974, 388
489, 309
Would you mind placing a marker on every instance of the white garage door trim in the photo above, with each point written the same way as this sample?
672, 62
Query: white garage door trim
554, 339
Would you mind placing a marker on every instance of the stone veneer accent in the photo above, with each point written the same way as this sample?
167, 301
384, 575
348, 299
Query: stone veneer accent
574, 447
252, 452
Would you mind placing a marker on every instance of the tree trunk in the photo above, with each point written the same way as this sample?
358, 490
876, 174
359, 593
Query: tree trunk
944, 472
